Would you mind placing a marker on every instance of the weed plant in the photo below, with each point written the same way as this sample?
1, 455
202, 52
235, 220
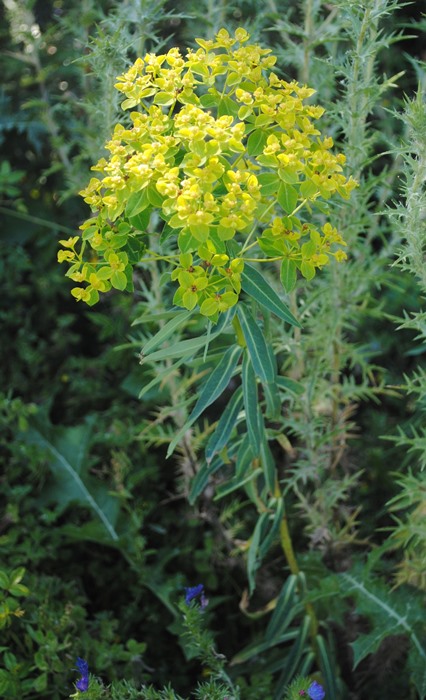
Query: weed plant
271, 446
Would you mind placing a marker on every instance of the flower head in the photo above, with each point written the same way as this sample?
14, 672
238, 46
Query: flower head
194, 592
220, 147
83, 668
316, 691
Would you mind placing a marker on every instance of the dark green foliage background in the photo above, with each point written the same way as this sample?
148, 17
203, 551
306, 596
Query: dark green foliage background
64, 367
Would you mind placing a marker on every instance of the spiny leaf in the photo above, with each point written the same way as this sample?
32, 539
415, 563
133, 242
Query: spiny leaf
390, 614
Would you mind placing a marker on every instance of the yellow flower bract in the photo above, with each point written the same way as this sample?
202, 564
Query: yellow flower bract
229, 156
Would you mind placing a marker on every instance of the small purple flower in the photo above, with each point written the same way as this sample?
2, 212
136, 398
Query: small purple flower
194, 592
83, 668
316, 691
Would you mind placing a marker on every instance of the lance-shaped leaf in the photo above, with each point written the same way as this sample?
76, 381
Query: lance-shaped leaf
201, 479
166, 331
258, 647
161, 376
256, 346
263, 537
226, 424
286, 609
290, 385
212, 389
272, 394
275, 520
255, 285
237, 482
327, 670
268, 464
67, 449
251, 403
183, 348
293, 660
253, 560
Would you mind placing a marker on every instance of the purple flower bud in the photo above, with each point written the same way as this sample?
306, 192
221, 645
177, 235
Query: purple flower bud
83, 668
194, 592
316, 691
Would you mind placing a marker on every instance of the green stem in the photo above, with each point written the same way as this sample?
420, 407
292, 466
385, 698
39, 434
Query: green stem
287, 547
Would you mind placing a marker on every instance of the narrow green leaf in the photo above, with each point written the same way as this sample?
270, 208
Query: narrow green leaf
245, 457
236, 483
307, 664
256, 345
217, 381
182, 348
290, 385
251, 403
212, 389
293, 659
254, 284
258, 647
161, 376
272, 394
268, 464
288, 274
327, 670
166, 331
201, 479
252, 558
273, 402
285, 610
161, 316
271, 535
226, 424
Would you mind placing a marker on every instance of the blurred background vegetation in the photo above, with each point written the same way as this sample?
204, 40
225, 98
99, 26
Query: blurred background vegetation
70, 376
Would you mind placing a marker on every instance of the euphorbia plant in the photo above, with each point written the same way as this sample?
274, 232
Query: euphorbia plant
218, 166
228, 156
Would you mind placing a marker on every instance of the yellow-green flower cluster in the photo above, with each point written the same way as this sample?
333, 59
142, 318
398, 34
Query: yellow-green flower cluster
228, 155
